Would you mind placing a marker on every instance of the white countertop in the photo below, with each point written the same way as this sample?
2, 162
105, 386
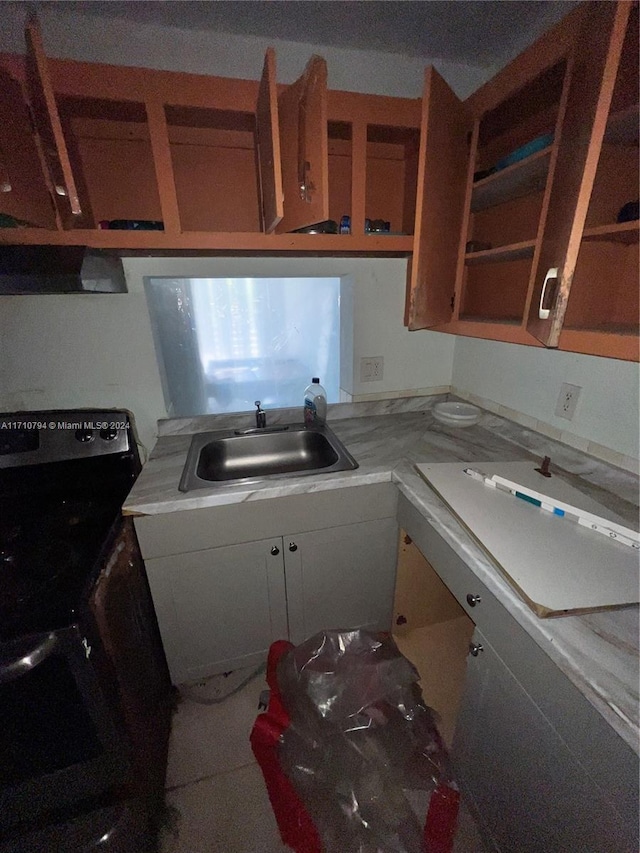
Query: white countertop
598, 652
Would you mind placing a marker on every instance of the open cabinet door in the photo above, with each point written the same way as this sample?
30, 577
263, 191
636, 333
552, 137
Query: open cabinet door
268, 132
24, 194
305, 148
48, 125
592, 70
442, 178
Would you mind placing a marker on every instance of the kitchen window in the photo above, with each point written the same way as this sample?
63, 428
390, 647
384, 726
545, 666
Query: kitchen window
223, 343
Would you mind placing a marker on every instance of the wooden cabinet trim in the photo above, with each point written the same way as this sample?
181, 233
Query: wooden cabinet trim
161, 150
547, 50
72, 78
588, 92
45, 111
268, 140
512, 333
442, 187
21, 161
304, 148
607, 344
358, 176
373, 109
466, 221
100, 81
216, 242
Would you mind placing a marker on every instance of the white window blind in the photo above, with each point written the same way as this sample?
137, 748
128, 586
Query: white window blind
223, 343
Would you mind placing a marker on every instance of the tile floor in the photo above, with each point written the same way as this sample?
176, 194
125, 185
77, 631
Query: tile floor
216, 790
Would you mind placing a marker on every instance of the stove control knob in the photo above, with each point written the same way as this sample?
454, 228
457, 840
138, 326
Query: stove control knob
108, 434
84, 435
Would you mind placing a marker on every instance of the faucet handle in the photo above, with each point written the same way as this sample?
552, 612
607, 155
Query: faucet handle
261, 417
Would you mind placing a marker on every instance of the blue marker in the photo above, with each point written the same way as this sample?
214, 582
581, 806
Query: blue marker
555, 510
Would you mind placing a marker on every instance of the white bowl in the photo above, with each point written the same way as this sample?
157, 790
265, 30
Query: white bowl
456, 414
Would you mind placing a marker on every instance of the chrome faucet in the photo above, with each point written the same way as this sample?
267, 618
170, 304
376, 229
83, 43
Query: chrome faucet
261, 417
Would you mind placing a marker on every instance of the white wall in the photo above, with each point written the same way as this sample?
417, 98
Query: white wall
70, 34
374, 293
83, 350
80, 351
528, 380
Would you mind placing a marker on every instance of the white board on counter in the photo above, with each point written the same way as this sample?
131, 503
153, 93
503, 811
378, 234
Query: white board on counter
557, 566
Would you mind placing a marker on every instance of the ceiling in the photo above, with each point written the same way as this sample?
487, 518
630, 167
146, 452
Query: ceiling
476, 32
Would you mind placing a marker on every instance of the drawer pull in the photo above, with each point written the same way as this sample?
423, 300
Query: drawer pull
472, 600
475, 649
543, 313
293, 546
275, 550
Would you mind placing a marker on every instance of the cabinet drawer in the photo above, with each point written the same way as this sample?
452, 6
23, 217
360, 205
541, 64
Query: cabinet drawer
211, 527
610, 762
487, 613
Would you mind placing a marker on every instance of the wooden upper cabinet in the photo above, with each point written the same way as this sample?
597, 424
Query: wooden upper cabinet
49, 127
441, 188
24, 194
304, 148
268, 141
593, 69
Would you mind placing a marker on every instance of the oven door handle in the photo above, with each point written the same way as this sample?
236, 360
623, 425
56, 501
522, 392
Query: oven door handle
23, 655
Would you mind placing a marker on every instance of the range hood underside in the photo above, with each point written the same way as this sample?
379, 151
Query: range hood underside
59, 269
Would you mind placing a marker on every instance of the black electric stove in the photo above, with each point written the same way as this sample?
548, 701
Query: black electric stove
84, 719
63, 479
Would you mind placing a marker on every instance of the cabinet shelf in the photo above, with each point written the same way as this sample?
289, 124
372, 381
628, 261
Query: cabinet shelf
515, 322
614, 341
512, 252
527, 176
219, 242
618, 232
498, 329
606, 328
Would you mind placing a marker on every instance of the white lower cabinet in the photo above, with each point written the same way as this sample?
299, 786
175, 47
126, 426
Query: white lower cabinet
542, 770
529, 792
220, 608
343, 577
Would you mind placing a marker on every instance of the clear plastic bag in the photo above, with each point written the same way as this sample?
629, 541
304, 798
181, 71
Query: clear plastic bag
361, 742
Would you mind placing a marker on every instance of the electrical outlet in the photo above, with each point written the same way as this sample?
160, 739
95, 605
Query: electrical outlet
371, 368
567, 400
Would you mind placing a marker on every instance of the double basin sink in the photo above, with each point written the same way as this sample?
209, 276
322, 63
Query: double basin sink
254, 454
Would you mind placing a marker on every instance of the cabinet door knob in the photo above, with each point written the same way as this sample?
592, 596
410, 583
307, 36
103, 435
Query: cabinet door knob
293, 546
472, 600
275, 550
475, 649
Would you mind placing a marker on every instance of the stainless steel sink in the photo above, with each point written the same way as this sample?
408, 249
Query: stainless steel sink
281, 451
